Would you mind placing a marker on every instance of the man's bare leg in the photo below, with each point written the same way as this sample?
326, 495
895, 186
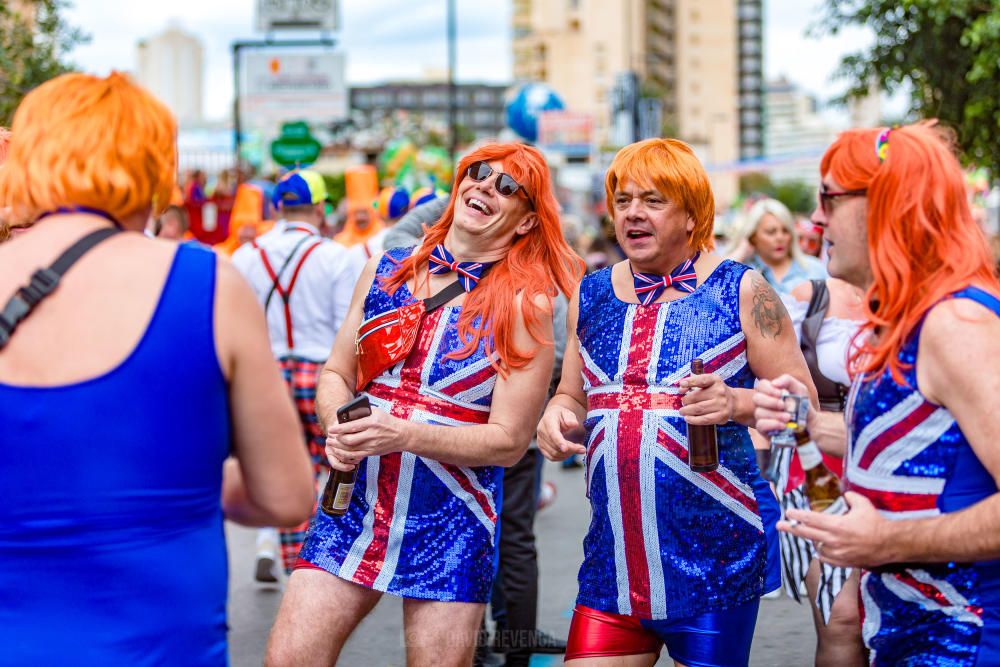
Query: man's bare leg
318, 613
440, 634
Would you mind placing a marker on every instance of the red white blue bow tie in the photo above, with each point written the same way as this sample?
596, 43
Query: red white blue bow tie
442, 261
649, 286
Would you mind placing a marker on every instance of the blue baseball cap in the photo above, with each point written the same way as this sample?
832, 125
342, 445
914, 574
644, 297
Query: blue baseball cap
300, 188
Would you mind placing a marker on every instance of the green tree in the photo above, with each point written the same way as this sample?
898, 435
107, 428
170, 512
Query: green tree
798, 196
946, 51
34, 42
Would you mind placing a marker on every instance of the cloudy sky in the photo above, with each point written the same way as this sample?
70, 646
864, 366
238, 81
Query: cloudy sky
399, 39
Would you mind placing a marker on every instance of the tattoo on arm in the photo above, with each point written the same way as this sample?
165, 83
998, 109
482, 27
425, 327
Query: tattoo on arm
768, 311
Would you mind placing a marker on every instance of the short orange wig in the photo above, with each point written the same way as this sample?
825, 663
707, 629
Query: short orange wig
923, 243
669, 166
82, 140
539, 262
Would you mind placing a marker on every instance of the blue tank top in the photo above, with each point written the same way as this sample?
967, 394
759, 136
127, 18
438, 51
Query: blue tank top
111, 540
910, 458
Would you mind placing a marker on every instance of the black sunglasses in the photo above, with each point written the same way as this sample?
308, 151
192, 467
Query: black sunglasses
479, 171
826, 198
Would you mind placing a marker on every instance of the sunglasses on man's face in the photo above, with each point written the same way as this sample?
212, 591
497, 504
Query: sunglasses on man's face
506, 186
827, 197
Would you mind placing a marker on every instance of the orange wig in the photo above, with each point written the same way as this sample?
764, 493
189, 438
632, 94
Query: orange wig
923, 243
669, 166
4, 143
539, 262
81, 140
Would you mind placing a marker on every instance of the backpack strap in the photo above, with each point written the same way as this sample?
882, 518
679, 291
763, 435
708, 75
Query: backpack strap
444, 296
44, 282
832, 394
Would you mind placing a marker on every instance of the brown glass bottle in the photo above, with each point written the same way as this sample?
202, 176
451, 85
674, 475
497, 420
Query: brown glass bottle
703, 446
340, 486
822, 486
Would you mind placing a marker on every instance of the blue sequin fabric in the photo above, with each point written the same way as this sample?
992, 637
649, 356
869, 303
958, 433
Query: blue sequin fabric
911, 460
416, 527
665, 542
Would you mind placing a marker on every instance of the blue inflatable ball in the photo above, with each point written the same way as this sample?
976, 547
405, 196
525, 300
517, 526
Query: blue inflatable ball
527, 104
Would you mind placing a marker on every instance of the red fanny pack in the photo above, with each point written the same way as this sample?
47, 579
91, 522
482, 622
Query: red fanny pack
385, 340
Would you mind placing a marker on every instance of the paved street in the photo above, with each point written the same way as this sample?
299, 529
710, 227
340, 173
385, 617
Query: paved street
784, 636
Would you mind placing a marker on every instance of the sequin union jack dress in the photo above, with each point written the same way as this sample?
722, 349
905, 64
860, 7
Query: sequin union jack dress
910, 459
417, 527
665, 542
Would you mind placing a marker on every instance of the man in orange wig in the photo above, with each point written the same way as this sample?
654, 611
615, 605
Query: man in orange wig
923, 446
674, 555
458, 403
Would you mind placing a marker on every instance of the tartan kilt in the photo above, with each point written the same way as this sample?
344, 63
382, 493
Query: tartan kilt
301, 376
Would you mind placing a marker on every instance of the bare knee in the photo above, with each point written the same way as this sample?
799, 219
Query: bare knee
318, 613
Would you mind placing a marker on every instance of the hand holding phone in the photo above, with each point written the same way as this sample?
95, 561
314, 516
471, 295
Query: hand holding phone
340, 486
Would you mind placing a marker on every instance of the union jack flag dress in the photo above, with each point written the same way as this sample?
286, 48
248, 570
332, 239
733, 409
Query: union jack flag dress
910, 459
665, 542
416, 527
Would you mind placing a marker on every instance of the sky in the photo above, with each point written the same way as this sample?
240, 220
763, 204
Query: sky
399, 39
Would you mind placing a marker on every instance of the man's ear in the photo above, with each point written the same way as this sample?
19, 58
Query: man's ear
528, 222
690, 224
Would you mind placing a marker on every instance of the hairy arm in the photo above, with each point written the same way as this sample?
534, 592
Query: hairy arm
865, 537
946, 378
567, 409
517, 402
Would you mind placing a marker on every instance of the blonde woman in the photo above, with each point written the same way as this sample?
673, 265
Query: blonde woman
767, 241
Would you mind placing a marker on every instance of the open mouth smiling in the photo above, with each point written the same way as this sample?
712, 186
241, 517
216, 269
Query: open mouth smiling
479, 205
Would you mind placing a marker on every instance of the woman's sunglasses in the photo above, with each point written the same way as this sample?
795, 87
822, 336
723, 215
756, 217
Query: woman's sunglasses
826, 198
506, 186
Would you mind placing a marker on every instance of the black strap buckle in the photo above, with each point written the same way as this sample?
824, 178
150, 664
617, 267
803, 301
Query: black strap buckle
43, 282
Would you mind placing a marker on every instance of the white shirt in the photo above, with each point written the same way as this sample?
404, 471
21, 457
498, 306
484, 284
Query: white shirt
833, 342
320, 297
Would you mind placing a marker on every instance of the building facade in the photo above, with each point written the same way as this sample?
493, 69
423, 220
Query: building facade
171, 65
797, 134
702, 59
479, 107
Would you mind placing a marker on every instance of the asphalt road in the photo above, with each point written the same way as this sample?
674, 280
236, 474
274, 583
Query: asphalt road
784, 635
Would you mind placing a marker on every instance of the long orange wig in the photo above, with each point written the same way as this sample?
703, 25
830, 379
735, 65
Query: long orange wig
82, 140
923, 243
539, 262
669, 166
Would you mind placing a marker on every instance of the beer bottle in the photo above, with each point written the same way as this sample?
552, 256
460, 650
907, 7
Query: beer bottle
703, 446
822, 486
340, 486
338, 491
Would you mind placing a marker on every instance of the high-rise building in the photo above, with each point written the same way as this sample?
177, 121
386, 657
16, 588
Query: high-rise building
797, 134
702, 59
170, 65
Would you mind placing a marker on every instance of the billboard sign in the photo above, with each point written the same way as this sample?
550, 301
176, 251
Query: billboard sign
297, 15
297, 85
566, 132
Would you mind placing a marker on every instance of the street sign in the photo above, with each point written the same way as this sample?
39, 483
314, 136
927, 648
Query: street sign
296, 146
304, 84
297, 15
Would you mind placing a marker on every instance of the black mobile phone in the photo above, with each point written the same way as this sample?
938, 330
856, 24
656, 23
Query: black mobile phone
353, 410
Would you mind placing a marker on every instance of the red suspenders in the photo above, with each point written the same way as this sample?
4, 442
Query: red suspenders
286, 292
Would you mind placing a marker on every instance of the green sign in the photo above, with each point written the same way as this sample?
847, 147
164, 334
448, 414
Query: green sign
295, 146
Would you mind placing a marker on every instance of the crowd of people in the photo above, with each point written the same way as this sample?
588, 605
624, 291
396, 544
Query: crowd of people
482, 343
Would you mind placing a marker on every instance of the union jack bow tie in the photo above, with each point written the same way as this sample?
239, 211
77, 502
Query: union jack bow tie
442, 261
649, 286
